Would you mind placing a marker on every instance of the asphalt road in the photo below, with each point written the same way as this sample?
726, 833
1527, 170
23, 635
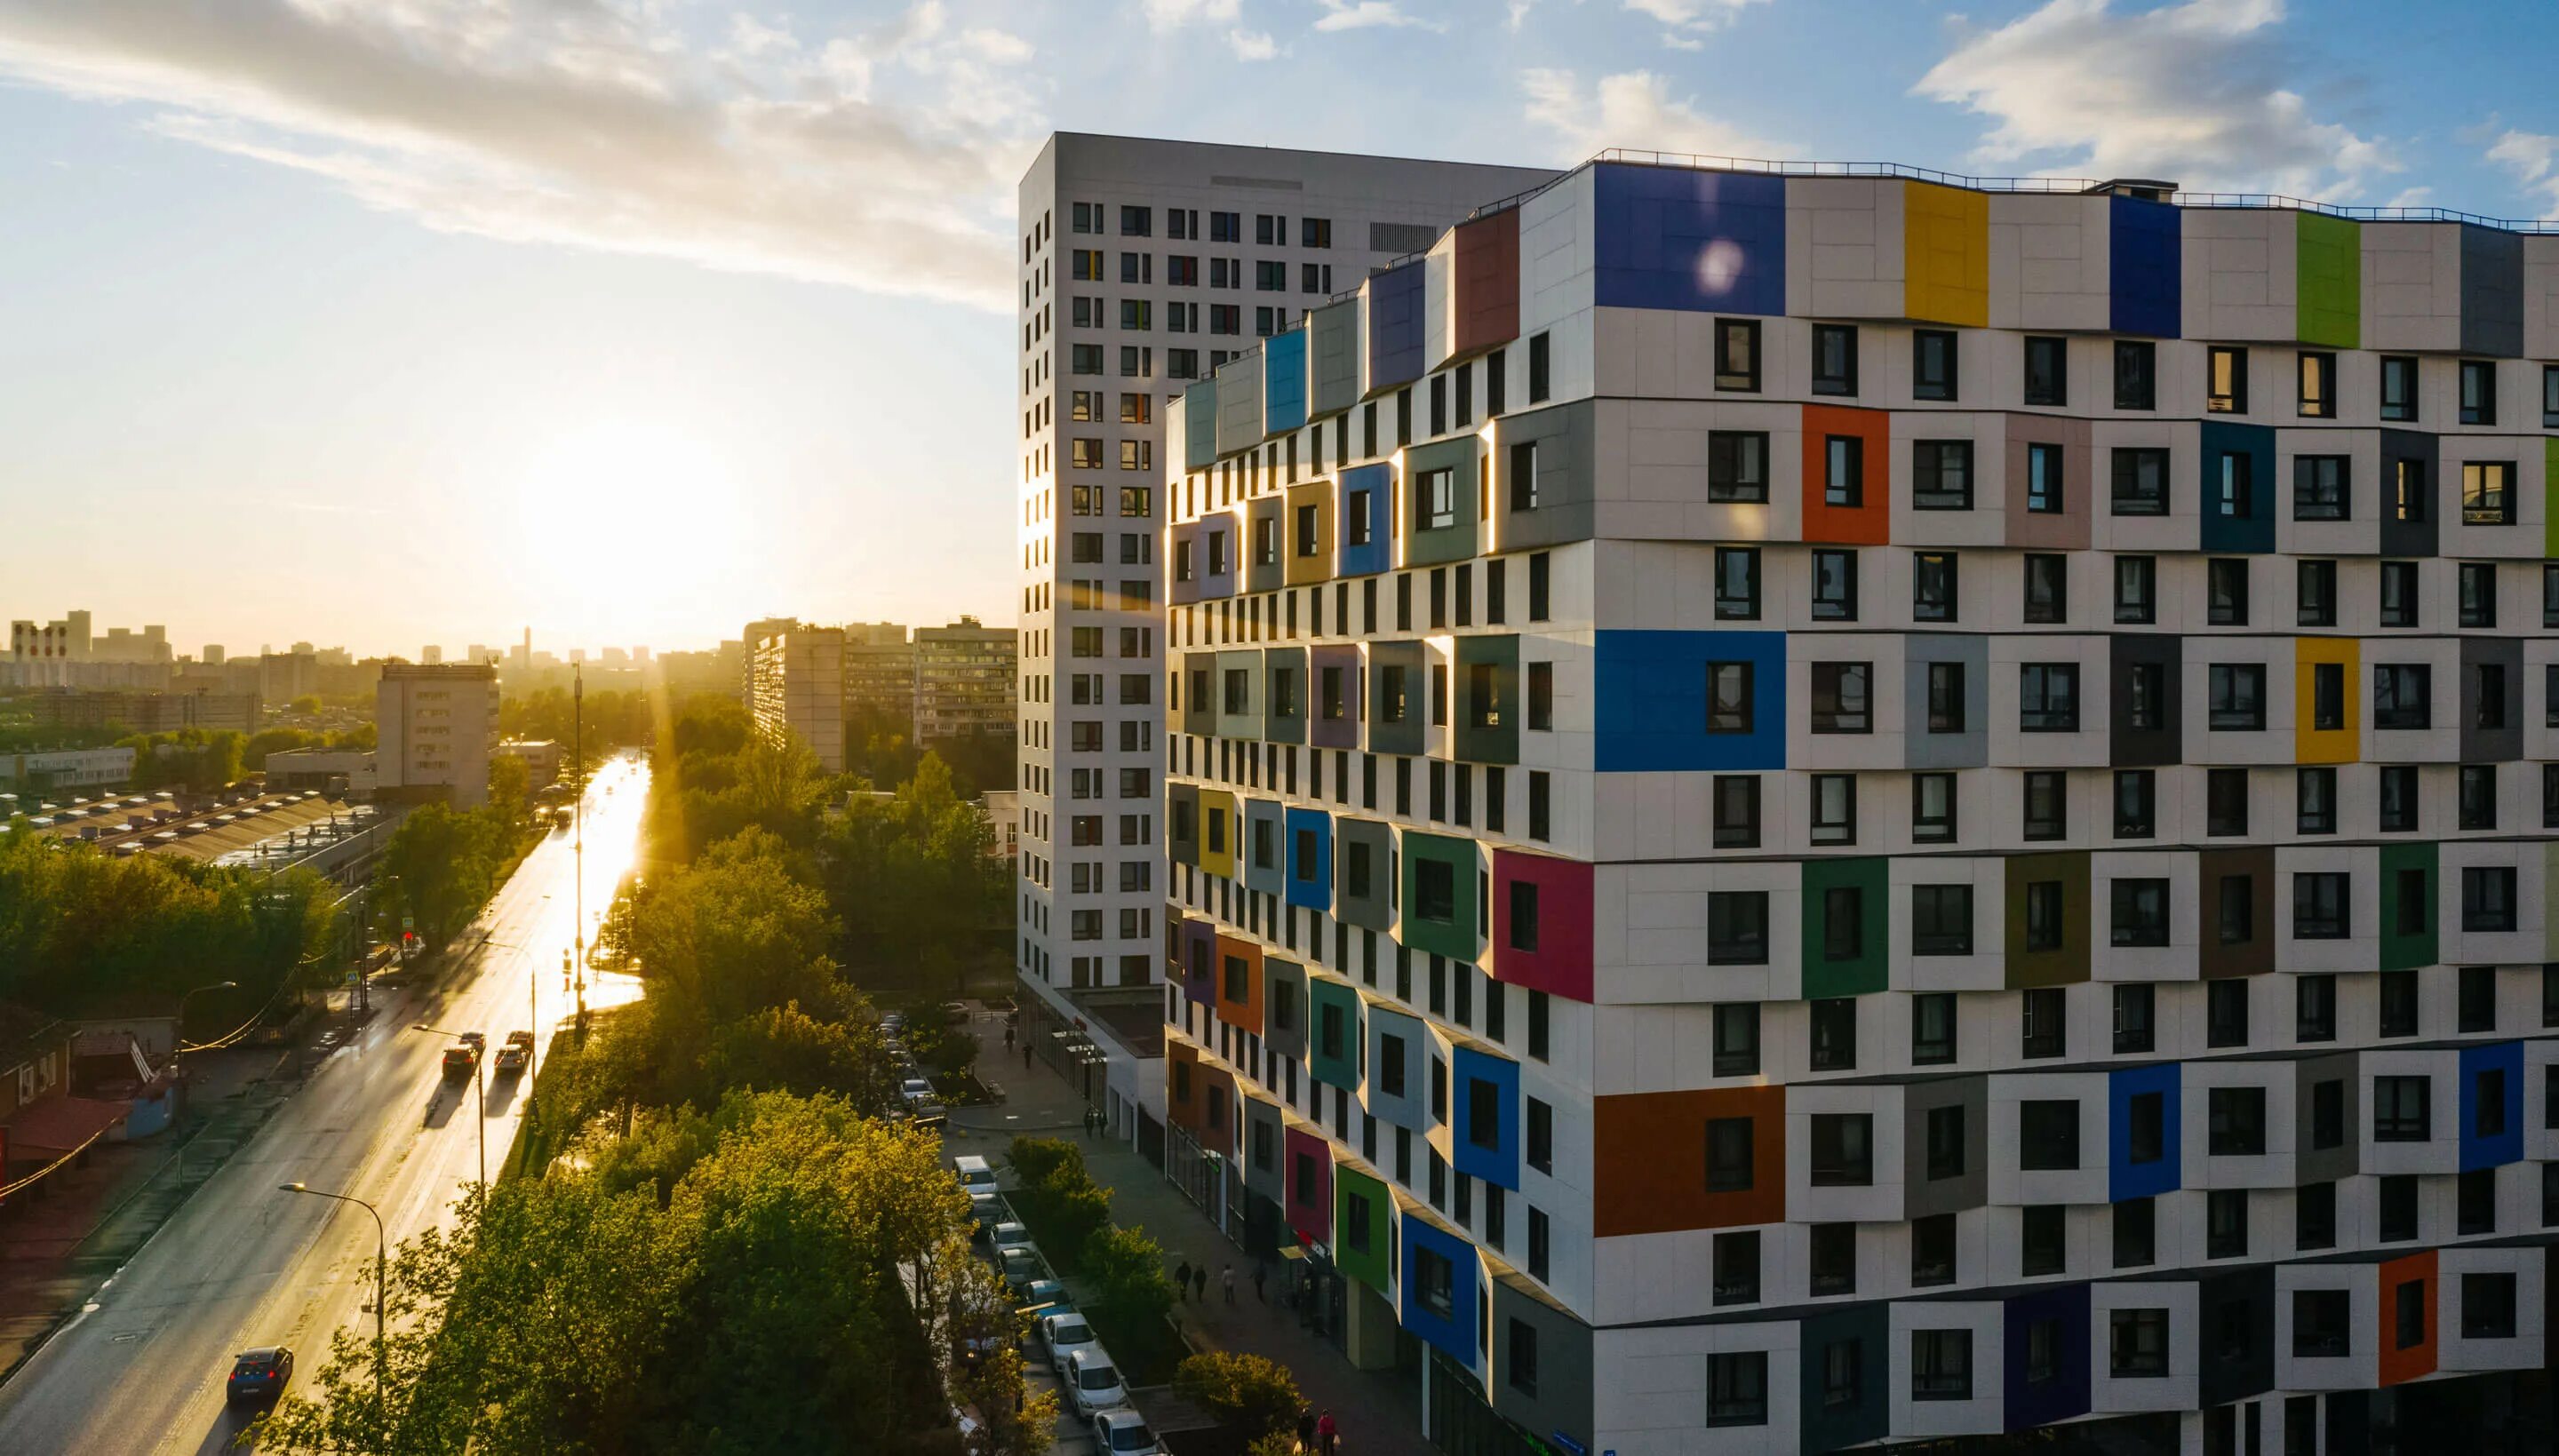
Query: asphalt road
243, 1263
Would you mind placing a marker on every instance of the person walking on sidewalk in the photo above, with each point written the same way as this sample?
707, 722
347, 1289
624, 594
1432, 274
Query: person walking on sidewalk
1326, 1433
1199, 1278
1306, 1428
1182, 1281
1261, 1272
1008, 1041
1229, 1281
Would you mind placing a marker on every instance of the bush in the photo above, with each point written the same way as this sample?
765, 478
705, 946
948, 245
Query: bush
1058, 1199
1252, 1397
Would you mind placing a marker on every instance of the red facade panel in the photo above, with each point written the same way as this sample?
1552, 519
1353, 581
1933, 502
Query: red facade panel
1558, 960
1649, 1161
1485, 308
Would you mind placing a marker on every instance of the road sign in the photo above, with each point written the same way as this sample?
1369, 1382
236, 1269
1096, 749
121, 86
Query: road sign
408, 924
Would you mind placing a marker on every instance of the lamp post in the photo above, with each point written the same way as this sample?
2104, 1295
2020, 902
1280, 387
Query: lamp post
577, 834
382, 1273
178, 1052
480, 1092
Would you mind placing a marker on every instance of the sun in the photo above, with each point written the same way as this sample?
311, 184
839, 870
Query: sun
621, 507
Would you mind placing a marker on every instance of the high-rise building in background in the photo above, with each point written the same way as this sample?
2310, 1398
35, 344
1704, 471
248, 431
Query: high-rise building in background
1144, 264
1817, 809
879, 678
434, 726
963, 681
796, 687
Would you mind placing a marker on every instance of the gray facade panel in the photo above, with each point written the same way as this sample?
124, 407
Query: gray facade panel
1372, 908
2313, 1163
1566, 509
1970, 748
1285, 694
2491, 292
1922, 1195
1265, 562
1246, 723
2134, 747
2502, 660
1406, 735
1560, 1402
1332, 358
1287, 1040
2409, 538
1238, 404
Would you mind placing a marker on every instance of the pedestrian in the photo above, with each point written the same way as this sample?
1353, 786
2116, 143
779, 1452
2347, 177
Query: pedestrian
1227, 1281
1182, 1281
1027, 1056
1306, 1428
1199, 1281
1326, 1433
1261, 1272
1008, 1041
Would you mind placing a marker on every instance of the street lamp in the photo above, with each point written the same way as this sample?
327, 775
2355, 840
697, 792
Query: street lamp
381, 1269
178, 1051
479, 1092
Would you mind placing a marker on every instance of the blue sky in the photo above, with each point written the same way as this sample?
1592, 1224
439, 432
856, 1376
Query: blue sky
382, 322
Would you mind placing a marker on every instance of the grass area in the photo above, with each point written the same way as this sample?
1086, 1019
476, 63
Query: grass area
539, 1141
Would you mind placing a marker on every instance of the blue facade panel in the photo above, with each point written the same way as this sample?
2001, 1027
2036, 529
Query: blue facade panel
2145, 268
1454, 1331
1263, 855
2126, 1179
1489, 1151
1199, 426
1395, 355
1366, 491
1651, 701
2491, 1098
2062, 1392
1310, 858
1284, 382
1701, 241
2239, 487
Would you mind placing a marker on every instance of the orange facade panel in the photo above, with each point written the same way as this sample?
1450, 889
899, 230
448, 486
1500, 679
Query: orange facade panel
1847, 475
1649, 1161
1182, 1084
2409, 1290
1485, 311
1239, 983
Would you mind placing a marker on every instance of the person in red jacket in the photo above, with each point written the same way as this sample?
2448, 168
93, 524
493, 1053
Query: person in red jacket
1326, 1433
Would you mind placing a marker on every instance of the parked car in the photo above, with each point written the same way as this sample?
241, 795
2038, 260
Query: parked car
915, 1090
1124, 1433
1093, 1382
260, 1375
1063, 1333
954, 1013
976, 1174
1021, 1265
987, 1211
931, 1114
1008, 1234
1047, 1295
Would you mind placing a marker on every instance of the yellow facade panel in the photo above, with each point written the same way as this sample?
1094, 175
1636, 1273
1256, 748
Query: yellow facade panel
1219, 827
2312, 743
1946, 254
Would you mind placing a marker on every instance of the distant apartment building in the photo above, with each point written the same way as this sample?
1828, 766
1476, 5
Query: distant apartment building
1144, 266
284, 676
796, 688
434, 726
879, 673
66, 768
139, 713
963, 681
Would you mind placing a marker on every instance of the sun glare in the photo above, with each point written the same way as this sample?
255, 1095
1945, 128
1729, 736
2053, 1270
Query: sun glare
626, 504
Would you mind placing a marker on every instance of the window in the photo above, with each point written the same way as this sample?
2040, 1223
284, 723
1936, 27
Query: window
2226, 591
1730, 1145
1435, 890
2313, 1222
1932, 1244
2137, 1342
2042, 1240
2316, 373
2047, 697
2398, 593
1523, 476
1932, 1028
1841, 697
1736, 583
1941, 475
1434, 495
2043, 1023
2314, 798
2400, 1108
1833, 1259
2225, 381
2408, 490
2398, 389
1728, 700
2408, 1314
1736, 1387
2487, 898
1843, 471
2136, 1233
1932, 364
2402, 695
2136, 1018
2477, 796
2488, 493
2398, 806
2315, 1007
2236, 1114
2046, 817
2319, 489
2235, 497
2047, 372
2477, 581
1736, 354
2043, 482
2047, 590
1835, 586
1843, 1378
2141, 481
2135, 589
2399, 1211
2136, 375
2236, 696
1933, 808
2399, 1008
1736, 811
2225, 1224
1834, 1034
1834, 798
2135, 803
2048, 1136
1737, 466
1736, 1039
2314, 592
1941, 1365
2319, 905
1834, 358
1737, 927
2139, 912
1737, 1267
1941, 919
2479, 391
2487, 1306
1540, 351
1843, 1149
1945, 697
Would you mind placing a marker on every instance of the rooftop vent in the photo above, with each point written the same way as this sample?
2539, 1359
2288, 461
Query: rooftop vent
2149, 189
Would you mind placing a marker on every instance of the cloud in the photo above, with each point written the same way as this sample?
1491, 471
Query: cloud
2531, 156
2186, 92
1352, 15
2412, 196
1631, 109
1172, 15
1252, 45
574, 122
1691, 15
1519, 12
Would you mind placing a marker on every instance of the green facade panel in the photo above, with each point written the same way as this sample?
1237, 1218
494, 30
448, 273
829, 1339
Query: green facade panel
2328, 279
2411, 939
1423, 928
1332, 998
1844, 948
1830, 1422
1364, 1258
1456, 540
1488, 699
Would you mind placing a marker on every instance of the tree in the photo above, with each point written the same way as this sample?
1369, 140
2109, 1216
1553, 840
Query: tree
1127, 1269
784, 1049
1255, 1397
511, 787
441, 867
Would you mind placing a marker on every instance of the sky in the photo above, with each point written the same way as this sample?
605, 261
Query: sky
392, 322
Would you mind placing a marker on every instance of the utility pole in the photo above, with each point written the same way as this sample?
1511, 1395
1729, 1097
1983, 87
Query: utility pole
381, 1282
577, 824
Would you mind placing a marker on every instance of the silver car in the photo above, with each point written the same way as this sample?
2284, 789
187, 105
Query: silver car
1064, 1334
1124, 1433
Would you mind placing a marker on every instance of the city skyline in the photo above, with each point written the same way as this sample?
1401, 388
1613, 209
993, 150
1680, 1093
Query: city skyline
563, 449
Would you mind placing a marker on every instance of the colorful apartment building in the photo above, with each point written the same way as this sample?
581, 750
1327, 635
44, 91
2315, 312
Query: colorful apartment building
1821, 806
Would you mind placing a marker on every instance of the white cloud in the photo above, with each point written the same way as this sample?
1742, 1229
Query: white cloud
1172, 15
2412, 196
1352, 15
1631, 109
2186, 92
1699, 15
586, 125
2531, 156
1519, 12
1001, 47
1252, 45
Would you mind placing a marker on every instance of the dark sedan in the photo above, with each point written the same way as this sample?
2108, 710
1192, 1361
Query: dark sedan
260, 1375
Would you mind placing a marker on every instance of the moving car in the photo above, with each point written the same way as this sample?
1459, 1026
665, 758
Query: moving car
519, 1047
1124, 1433
461, 1058
1063, 1334
260, 1375
1093, 1382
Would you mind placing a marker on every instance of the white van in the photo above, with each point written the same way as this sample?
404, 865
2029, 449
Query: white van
976, 1174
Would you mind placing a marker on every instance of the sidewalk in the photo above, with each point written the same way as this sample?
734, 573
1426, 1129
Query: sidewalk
1376, 1411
